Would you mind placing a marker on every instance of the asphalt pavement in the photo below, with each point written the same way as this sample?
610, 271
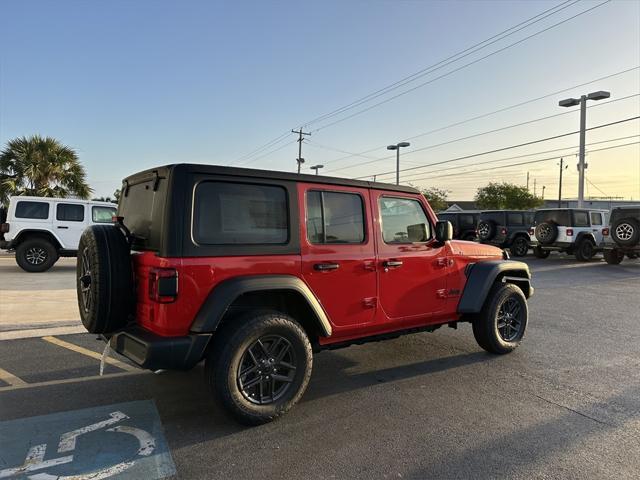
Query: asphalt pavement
566, 404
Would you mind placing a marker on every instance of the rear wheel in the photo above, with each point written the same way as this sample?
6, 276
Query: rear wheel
36, 255
632, 256
613, 257
541, 253
259, 366
585, 250
520, 247
500, 326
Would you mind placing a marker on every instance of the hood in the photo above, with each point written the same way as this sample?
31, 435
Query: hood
473, 249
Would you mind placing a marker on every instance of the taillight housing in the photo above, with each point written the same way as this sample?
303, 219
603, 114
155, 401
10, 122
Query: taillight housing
163, 285
605, 232
569, 232
503, 231
4, 228
532, 231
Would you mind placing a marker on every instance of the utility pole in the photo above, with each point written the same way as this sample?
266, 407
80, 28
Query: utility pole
562, 167
534, 187
301, 134
543, 187
527, 181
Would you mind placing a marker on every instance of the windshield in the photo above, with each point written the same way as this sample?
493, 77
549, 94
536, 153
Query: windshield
560, 217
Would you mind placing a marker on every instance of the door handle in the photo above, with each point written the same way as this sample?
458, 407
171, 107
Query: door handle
325, 267
64, 228
392, 263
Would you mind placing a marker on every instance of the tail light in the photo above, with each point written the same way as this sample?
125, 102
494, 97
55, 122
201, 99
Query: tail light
503, 231
4, 228
605, 232
569, 232
532, 231
163, 285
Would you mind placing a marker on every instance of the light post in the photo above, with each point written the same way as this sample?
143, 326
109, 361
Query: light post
582, 101
316, 168
397, 148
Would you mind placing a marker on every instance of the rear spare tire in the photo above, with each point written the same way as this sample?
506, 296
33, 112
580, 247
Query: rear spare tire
486, 230
546, 233
104, 279
36, 254
626, 231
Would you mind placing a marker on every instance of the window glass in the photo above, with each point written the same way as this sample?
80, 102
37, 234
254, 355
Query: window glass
239, 213
497, 217
561, 217
596, 218
70, 212
36, 210
515, 219
403, 221
580, 219
102, 214
447, 217
467, 221
335, 217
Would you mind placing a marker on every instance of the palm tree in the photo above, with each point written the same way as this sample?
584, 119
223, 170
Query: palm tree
41, 166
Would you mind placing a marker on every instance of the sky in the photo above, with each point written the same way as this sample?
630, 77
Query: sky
132, 85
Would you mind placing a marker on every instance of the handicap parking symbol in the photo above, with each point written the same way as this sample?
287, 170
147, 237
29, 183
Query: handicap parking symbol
121, 441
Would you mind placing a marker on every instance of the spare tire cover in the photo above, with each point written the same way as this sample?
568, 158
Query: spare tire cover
104, 275
546, 232
486, 229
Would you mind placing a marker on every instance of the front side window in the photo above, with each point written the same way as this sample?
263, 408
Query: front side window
34, 210
580, 219
334, 217
102, 214
70, 212
240, 214
403, 221
596, 218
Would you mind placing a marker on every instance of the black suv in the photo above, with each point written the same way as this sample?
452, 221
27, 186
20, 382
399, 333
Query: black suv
623, 234
464, 223
506, 229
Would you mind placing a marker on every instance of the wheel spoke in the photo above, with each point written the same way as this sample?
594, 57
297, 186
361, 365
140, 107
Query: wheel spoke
262, 347
252, 383
282, 378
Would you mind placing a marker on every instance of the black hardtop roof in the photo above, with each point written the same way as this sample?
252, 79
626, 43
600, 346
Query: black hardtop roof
268, 174
506, 211
552, 209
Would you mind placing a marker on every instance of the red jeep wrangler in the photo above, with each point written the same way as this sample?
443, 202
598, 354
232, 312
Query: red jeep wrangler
254, 270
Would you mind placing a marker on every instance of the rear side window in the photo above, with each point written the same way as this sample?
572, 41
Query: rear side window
560, 217
497, 217
596, 218
467, 221
515, 219
35, 210
580, 219
334, 217
240, 214
70, 212
102, 214
403, 221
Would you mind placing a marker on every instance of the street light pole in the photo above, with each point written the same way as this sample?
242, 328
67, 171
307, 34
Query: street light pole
397, 148
316, 168
582, 101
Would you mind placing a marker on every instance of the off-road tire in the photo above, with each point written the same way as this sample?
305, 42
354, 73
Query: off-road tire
541, 253
104, 279
487, 229
519, 247
229, 348
36, 254
632, 256
485, 324
546, 233
626, 232
585, 250
613, 257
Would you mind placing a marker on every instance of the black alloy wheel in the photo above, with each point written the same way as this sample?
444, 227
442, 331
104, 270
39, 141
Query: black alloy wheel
520, 247
266, 370
510, 319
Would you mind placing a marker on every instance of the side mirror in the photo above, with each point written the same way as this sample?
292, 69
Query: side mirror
444, 231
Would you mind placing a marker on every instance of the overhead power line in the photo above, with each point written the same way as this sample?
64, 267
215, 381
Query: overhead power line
502, 149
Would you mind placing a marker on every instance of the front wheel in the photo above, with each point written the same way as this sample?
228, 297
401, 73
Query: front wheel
585, 250
259, 366
613, 257
500, 326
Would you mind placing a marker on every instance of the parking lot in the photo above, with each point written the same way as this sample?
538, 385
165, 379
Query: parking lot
434, 405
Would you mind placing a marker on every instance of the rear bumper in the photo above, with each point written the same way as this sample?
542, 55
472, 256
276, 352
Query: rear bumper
6, 244
151, 351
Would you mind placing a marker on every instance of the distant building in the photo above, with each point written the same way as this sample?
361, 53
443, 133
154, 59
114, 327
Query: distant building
602, 203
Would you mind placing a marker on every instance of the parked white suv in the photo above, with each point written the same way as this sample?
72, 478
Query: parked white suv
42, 229
575, 231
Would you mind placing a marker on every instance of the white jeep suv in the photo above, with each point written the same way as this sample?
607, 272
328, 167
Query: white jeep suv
42, 229
575, 231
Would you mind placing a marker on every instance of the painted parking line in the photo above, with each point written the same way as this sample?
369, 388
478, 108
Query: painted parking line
124, 440
90, 353
64, 381
11, 379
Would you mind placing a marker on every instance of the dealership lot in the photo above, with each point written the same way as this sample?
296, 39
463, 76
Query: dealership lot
433, 405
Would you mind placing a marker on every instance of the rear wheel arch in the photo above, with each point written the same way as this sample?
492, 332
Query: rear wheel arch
284, 293
24, 235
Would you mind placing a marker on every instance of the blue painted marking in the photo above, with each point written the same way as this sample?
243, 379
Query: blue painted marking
123, 440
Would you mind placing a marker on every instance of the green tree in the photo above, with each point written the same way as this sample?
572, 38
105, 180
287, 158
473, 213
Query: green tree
506, 196
437, 198
41, 166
